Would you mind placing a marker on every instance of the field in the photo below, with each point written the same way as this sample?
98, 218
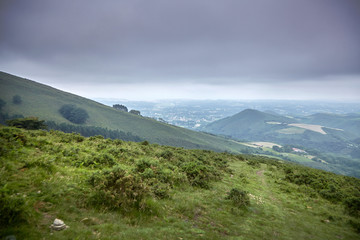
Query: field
311, 127
292, 130
171, 193
265, 144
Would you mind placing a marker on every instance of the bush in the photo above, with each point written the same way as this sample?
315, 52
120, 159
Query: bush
199, 174
74, 114
30, 123
161, 190
17, 99
118, 189
167, 154
12, 208
98, 161
238, 197
352, 206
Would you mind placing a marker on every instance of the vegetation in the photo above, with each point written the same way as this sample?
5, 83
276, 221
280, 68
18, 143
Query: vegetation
74, 114
135, 112
31, 123
17, 99
120, 107
89, 131
2, 104
113, 189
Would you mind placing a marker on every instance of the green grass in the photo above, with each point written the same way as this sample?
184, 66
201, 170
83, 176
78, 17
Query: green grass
51, 172
44, 102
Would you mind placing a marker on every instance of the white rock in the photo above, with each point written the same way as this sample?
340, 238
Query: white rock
58, 225
58, 222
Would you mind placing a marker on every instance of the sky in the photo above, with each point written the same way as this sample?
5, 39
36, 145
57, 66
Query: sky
186, 49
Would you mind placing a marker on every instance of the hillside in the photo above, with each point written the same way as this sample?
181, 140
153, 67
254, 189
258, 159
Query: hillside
248, 123
330, 147
113, 189
44, 102
348, 122
254, 125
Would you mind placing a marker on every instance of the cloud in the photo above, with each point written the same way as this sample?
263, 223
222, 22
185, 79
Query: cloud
204, 42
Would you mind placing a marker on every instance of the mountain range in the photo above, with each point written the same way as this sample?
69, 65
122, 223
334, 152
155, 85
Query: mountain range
319, 131
331, 140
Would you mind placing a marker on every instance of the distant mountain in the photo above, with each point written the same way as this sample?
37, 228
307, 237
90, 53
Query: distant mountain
249, 124
44, 102
348, 122
328, 133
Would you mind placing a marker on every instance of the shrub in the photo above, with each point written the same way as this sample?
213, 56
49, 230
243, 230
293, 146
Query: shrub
118, 189
17, 99
352, 206
31, 123
355, 225
167, 154
238, 197
253, 163
97, 161
200, 174
145, 163
74, 114
161, 190
12, 208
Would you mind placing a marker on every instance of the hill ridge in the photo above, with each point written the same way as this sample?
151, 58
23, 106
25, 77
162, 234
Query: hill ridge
43, 101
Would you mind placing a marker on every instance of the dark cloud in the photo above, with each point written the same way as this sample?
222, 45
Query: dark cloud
202, 41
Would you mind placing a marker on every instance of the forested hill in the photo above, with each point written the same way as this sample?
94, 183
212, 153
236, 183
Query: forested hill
112, 189
28, 98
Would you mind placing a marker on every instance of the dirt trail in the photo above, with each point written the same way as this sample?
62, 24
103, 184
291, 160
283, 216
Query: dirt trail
260, 173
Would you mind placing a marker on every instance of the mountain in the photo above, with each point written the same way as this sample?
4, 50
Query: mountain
44, 102
113, 189
347, 122
249, 123
330, 142
314, 131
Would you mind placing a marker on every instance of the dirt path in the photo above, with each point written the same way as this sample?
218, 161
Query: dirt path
260, 173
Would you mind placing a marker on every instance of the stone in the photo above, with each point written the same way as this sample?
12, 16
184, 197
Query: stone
58, 225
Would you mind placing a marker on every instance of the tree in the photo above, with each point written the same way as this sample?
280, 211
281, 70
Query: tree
2, 104
30, 123
136, 112
74, 114
120, 107
17, 99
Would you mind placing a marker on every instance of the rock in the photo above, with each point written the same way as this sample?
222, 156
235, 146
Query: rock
10, 237
58, 225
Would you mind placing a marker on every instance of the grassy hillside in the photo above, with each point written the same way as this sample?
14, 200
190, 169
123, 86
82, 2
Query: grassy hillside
254, 125
44, 102
111, 189
331, 148
248, 123
350, 122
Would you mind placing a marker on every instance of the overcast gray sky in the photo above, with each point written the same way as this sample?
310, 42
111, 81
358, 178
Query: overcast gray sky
199, 49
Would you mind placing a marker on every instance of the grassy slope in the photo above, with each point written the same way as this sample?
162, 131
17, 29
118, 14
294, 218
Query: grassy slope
39, 168
247, 123
349, 123
252, 125
44, 102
